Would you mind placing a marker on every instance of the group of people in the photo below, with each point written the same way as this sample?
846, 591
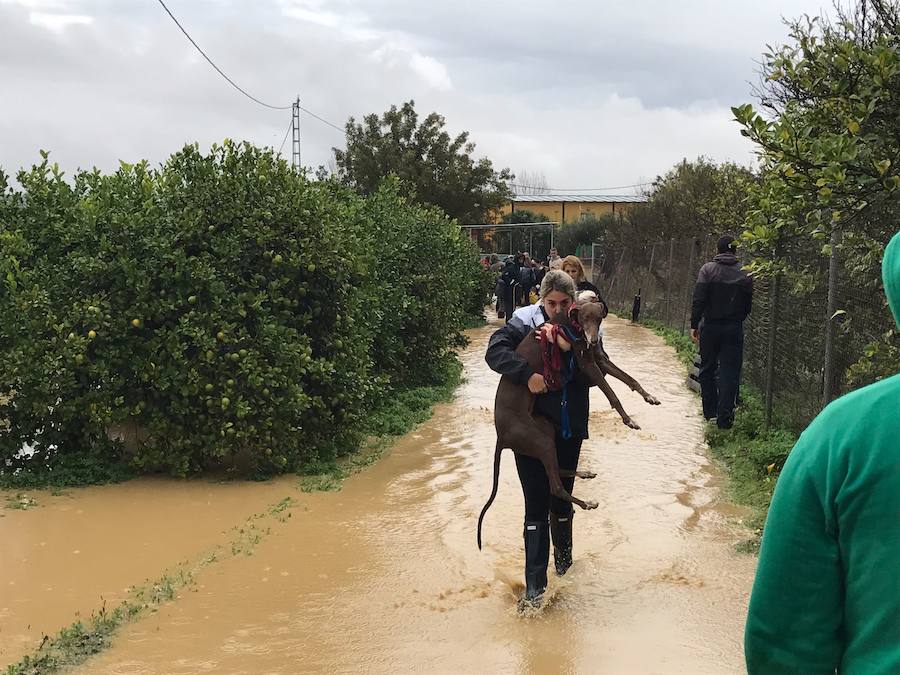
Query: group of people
826, 597
519, 278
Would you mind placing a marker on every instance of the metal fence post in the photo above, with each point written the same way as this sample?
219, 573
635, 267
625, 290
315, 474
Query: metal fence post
669, 277
774, 292
647, 275
833, 273
615, 276
695, 243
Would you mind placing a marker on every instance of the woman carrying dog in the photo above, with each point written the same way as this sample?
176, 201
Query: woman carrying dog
557, 295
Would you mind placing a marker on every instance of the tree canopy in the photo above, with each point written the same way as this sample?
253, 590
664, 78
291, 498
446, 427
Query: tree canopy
435, 167
827, 130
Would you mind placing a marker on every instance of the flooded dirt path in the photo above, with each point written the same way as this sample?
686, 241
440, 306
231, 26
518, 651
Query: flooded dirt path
384, 576
62, 558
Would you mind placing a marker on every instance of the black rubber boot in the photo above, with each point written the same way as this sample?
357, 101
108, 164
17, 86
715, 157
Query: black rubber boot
561, 533
537, 556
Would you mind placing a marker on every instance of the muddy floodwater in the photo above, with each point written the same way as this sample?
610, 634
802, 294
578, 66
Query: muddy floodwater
384, 576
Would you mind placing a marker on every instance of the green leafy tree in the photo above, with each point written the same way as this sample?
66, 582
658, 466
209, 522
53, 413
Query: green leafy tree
827, 132
587, 231
434, 167
427, 278
535, 240
191, 305
523, 216
693, 198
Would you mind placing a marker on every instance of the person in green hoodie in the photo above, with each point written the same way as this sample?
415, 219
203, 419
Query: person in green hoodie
827, 591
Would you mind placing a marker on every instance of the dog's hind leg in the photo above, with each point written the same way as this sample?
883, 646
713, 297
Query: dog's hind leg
528, 441
565, 473
548, 430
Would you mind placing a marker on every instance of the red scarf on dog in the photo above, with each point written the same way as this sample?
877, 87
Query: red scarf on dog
557, 371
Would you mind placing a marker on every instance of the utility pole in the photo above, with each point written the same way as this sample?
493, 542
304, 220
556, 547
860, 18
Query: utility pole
295, 136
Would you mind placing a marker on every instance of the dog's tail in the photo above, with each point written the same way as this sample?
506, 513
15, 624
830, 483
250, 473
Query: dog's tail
490, 500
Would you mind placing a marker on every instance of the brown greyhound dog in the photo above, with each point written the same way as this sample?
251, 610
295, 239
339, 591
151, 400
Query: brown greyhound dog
518, 429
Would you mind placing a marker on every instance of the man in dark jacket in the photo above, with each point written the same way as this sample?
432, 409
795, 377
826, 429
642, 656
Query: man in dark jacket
722, 300
526, 280
508, 285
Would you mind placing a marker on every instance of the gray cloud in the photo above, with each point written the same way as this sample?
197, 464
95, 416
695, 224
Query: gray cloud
592, 94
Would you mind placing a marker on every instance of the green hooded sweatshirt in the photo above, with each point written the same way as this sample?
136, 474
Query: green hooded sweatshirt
827, 590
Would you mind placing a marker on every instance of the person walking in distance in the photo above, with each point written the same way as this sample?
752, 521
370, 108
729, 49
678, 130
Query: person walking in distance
496, 268
507, 287
573, 266
526, 279
722, 300
554, 262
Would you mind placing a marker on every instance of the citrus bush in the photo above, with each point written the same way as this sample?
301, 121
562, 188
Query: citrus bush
431, 275
219, 306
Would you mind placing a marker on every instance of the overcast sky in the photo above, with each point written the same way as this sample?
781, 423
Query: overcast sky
590, 93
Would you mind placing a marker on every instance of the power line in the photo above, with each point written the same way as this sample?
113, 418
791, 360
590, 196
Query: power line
323, 120
600, 189
235, 85
283, 140
219, 70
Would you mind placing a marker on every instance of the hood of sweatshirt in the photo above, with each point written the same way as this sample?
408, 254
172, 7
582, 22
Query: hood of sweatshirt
890, 274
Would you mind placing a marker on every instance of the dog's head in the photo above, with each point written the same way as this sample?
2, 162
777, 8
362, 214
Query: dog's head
588, 316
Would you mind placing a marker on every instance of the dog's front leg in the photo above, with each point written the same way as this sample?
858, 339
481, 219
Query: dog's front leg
610, 368
589, 367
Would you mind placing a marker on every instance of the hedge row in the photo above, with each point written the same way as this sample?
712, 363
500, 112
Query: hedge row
220, 306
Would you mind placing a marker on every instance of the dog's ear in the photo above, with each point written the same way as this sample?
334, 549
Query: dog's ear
573, 313
605, 309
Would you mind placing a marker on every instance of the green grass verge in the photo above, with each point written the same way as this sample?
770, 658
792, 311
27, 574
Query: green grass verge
684, 347
68, 471
751, 455
474, 321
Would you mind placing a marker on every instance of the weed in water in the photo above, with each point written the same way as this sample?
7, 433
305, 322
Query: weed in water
21, 502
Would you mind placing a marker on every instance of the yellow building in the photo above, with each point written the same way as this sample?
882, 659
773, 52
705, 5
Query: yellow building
571, 208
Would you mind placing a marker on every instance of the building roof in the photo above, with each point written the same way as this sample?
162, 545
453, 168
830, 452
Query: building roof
585, 199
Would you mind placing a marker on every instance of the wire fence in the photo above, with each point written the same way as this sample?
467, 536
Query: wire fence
508, 239
810, 338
